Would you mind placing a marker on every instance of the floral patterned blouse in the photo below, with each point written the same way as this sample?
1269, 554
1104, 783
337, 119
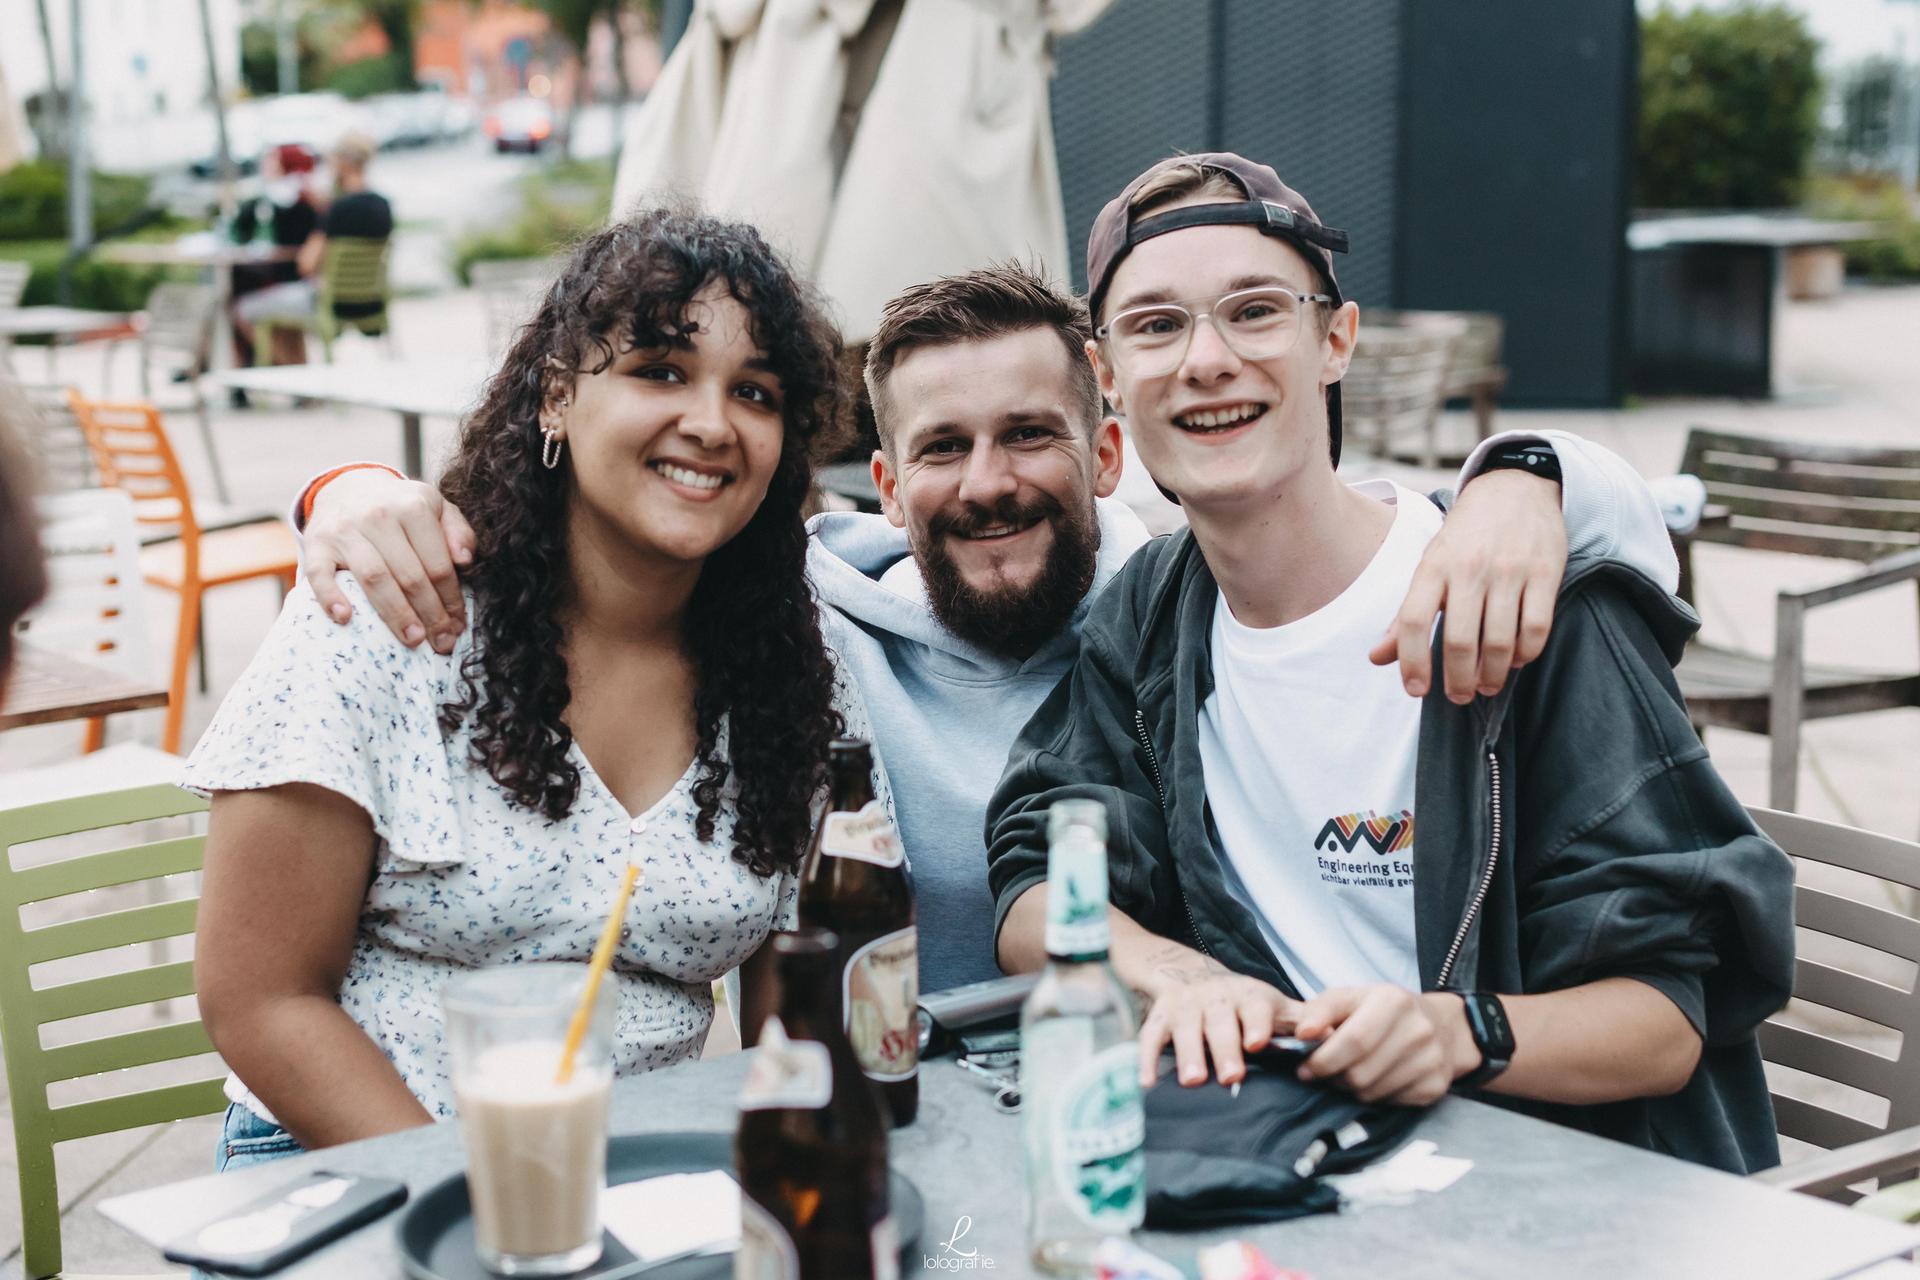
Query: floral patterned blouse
464, 876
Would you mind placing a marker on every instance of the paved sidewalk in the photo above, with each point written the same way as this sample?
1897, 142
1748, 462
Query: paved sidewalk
1850, 361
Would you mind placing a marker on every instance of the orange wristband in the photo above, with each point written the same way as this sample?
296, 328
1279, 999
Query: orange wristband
313, 490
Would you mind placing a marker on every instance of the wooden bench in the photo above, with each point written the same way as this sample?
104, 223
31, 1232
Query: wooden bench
1835, 501
1476, 372
1397, 381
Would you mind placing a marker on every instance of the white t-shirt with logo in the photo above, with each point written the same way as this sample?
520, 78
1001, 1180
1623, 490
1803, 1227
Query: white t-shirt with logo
1309, 753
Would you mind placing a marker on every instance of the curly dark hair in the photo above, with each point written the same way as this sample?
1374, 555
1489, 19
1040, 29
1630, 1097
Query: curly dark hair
751, 631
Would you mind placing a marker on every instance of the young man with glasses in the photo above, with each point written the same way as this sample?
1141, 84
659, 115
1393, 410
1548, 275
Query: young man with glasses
1581, 920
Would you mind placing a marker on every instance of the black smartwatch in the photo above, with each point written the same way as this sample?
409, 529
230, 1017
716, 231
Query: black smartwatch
1492, 1035
1537, 459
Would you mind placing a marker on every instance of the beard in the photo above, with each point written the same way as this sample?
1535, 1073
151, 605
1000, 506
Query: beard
1012, 621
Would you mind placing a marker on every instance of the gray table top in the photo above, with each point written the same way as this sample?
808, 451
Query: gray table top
1540, 1200
201, 249
56, 322
436, 388
1776, 231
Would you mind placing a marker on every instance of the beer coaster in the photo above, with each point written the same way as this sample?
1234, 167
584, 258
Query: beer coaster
435, 1233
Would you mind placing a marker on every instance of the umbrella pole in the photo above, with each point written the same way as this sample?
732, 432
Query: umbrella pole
79, 180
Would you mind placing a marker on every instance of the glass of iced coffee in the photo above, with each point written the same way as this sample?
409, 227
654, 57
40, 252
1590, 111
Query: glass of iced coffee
536, 1144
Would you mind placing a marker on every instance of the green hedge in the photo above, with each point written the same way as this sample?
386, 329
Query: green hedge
1729, 107
387, 73
1894, 257
99, 286
33, 200
559, 205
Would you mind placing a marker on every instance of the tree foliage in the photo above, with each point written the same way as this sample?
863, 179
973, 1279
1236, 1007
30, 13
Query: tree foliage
1729, 107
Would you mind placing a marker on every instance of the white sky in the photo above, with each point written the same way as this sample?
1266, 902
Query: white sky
1849, 30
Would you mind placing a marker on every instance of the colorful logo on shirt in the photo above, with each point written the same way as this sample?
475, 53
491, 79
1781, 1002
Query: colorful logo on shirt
1385, 834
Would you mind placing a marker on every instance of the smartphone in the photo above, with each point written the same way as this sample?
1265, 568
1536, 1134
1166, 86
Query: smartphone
287, 1223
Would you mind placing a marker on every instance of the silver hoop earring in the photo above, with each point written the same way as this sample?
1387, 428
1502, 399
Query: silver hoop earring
550, 450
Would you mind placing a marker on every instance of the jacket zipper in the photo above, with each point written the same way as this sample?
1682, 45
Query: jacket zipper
1486, 879
1160, 790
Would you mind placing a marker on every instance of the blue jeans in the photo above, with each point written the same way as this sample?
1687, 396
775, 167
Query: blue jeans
248, 1140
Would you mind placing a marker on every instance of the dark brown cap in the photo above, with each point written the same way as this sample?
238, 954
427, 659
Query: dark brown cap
1271, 206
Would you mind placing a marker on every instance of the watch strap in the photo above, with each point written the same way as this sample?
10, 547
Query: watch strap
1492, 1035
1535, 457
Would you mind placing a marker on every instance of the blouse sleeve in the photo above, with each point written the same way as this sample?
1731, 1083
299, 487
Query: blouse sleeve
347, 708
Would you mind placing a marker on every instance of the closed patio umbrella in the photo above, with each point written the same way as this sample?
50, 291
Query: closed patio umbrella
952, 166
773, 164
670, 140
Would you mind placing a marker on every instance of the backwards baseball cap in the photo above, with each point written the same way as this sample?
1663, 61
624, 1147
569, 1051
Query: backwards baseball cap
1271, 207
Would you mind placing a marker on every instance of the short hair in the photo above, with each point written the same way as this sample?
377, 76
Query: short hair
23, 576
1180, 181
988, 303
355, 150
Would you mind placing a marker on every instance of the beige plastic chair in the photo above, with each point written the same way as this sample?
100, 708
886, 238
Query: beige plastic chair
13, 287
95, 609
57, 442
176, 337
1857, 947
1397, 381
1476, 371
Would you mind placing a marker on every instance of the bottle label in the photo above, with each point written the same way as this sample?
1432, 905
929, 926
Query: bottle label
886, 1250
787, 1074
1077, 897
867, 835
880, 990
1096, 1128
766, 1252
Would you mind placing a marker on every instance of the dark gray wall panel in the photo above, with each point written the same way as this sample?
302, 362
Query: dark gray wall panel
1310, 89
1313, 89
1132, 88
1518, 127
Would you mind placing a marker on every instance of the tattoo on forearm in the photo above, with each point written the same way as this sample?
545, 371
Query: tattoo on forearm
1182, 965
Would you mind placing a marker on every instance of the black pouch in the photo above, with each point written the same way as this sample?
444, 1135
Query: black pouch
1215, 1159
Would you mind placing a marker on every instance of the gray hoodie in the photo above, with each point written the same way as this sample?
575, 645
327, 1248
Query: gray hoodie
943, 713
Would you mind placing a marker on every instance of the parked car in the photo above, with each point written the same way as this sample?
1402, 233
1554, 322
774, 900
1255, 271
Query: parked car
403, 120
423, 118
314, 120
520, 124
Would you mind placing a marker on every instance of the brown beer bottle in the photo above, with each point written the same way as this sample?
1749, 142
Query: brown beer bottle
811, 1150
854, 882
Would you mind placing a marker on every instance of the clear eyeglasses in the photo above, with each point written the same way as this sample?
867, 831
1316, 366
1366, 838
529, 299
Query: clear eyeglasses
1256, 324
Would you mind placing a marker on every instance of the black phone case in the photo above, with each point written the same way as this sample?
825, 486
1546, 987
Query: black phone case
363, 1201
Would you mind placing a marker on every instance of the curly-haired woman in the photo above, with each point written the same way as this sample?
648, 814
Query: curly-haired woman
643, 679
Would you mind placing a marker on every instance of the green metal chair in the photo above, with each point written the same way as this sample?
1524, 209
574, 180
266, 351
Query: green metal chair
353, 280
38, 1124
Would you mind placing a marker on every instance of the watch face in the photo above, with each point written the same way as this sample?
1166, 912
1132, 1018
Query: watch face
1491, 1029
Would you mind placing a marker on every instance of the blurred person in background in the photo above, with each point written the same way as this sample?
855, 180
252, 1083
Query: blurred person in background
23, 575
354, 212
286, 212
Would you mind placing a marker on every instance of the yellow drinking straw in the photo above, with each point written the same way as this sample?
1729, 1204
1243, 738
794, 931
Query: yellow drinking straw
596, 970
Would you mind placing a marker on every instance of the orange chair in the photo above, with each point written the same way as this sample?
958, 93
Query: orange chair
131, 451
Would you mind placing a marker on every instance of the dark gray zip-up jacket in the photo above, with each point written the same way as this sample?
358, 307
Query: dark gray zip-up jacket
1569, 829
